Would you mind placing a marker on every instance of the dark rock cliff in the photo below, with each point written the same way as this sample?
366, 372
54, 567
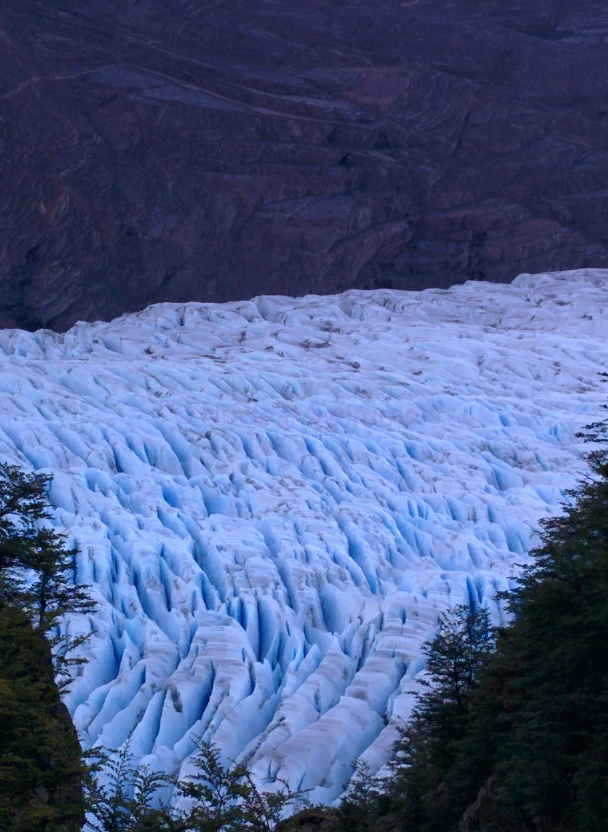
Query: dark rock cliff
218, 149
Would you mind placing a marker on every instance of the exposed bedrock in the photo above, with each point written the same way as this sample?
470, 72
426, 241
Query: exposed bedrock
199, 150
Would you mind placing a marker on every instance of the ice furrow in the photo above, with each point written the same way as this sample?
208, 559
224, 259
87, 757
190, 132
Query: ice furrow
274, 500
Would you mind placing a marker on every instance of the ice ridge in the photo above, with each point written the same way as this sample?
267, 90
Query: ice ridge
275, 499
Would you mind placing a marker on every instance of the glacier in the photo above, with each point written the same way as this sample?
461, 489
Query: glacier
274, 500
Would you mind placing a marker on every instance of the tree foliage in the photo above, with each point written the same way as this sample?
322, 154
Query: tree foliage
513, 737
123, 796
439, 722
551, 674
36, 568
227, 799
363, 804
40, 765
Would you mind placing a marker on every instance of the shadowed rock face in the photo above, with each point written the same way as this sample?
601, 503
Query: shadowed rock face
189, 150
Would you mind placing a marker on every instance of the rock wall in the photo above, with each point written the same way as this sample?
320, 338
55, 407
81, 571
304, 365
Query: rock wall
156, 151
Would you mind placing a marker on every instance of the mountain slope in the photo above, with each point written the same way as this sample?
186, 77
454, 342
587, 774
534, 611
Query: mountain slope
196, 150
274, 499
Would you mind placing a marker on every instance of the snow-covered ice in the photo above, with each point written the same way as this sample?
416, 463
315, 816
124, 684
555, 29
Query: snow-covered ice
275, 499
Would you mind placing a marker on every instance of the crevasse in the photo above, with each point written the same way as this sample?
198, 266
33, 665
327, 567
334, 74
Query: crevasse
274, 500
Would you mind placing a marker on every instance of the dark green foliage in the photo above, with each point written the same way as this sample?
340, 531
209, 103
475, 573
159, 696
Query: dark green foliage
227, 800
439, 722
40, 768
23, 506
515, 739
552, 669
123, 797
364, 803
36, 569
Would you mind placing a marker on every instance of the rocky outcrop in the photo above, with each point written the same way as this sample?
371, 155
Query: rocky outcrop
212, 151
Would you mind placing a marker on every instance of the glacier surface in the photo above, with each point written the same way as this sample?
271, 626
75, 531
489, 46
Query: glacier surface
275, 499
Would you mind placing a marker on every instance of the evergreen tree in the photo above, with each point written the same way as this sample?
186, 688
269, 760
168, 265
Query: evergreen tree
22, 507
363, 805
36, 569
40, 765
521, 743
429, 745
551, 765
